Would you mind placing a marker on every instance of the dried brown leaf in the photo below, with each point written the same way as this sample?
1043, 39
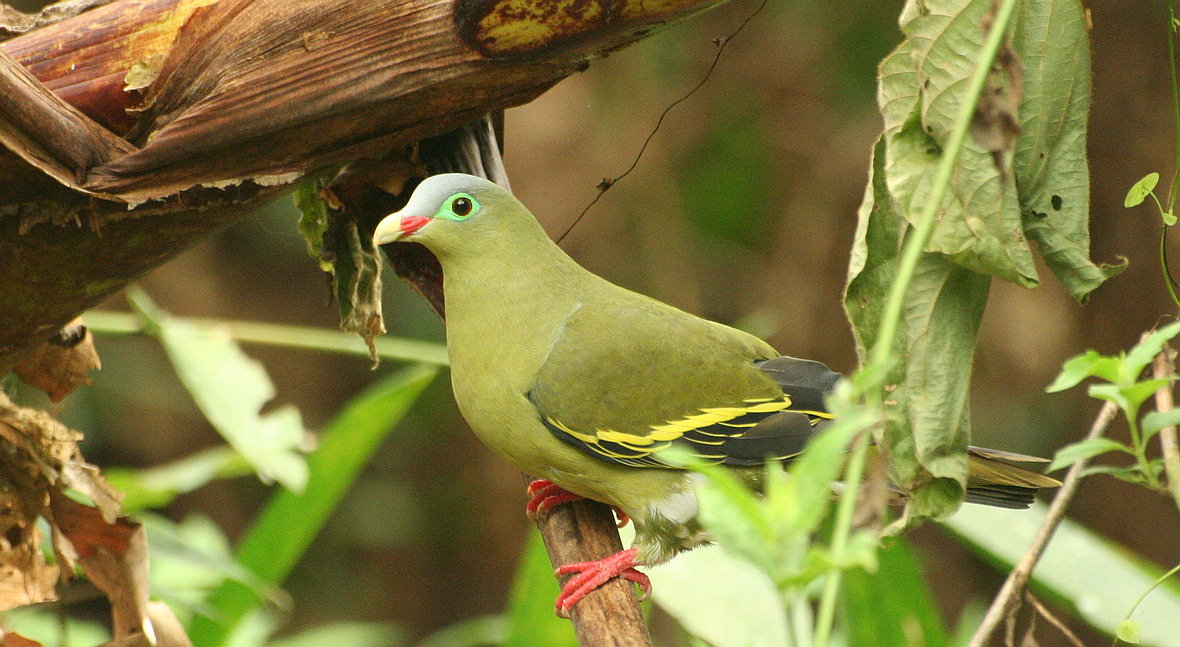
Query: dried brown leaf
25, 577
114, 558
39, 457
169, 631
62, 362
9, 639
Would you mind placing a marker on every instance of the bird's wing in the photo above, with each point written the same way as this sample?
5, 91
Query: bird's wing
623, 382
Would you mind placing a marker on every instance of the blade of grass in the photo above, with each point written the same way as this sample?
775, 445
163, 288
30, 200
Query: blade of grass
257, 332
893, 605
531, 620
288, 524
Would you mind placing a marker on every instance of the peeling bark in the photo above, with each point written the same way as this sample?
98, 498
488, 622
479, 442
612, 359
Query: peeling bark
245, 95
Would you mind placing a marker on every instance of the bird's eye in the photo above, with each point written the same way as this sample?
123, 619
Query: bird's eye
461, 206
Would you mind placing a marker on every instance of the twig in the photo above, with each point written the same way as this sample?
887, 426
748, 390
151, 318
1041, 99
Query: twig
1164, 367
1053, 620
1009, 595
607, 183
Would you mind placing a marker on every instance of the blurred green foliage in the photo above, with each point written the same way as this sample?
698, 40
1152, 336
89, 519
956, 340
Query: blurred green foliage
428, 534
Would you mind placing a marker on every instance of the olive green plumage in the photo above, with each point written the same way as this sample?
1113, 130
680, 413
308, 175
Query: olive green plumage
578, 381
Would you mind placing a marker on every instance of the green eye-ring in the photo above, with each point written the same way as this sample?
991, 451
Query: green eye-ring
460, 206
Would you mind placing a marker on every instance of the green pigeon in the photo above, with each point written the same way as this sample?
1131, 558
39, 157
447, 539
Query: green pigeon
579, 382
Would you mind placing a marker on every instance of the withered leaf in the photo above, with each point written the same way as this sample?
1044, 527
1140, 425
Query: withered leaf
61, 363
9, 639
38, 456
113, 555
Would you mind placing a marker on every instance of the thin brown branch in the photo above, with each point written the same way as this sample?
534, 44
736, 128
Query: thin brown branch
1044, 612
1164, 367
1009, 596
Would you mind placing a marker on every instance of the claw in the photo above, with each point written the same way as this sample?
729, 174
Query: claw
544, 494
591, 575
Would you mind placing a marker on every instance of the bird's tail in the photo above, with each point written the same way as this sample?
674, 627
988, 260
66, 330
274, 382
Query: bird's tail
994, 479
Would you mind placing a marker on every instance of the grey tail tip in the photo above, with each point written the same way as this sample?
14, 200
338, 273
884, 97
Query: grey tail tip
1012, 497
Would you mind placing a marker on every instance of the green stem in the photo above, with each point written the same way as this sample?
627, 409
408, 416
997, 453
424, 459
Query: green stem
121, 323
1168, 282
1171, 32
1140, 448
1143, 596
826, 615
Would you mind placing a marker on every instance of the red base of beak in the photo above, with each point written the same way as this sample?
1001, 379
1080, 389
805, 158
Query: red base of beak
411, 224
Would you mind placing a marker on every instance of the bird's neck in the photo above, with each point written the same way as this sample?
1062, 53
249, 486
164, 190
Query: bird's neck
511, 302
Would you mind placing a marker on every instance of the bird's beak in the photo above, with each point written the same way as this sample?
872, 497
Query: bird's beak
395, 227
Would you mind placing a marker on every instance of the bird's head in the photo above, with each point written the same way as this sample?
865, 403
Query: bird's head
453, 211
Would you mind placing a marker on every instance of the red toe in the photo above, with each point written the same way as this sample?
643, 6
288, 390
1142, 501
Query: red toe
591, 575
544, 495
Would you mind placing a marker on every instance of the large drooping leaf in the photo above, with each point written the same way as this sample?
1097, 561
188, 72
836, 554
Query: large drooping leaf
1052, 176
1009, 185
1092, 576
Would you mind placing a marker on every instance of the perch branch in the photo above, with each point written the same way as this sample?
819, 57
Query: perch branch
1009, 596
582, 531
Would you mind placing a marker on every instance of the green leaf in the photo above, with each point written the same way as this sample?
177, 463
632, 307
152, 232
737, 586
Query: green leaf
893, 605
385, 634
1138, 393
1144, 352
285, 528
811, 477
921, 86
1169, 218
1140, 190
480, 631
314, 220
156, 487
1050, 164
1128, 631
1080, 367
941, 317
721, 599
231, 389
1156, 420
1098, 594
1085, 449
1130, 473
736, 520
1110, 392
530, 616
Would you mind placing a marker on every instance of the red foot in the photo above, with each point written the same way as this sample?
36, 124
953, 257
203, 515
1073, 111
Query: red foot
591, 575
545, 494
